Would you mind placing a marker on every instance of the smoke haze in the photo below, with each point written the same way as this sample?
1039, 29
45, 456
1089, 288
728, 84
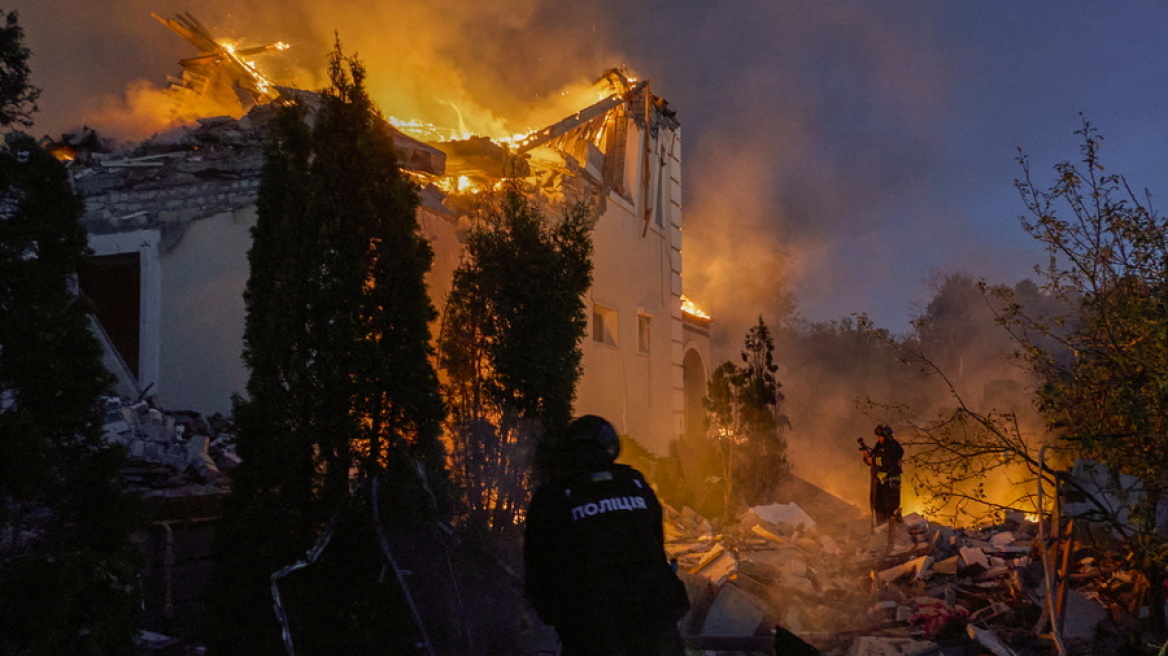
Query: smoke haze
838, 153
841, 153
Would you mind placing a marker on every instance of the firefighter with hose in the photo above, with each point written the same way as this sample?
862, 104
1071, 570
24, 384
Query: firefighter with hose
594, 552
884, 460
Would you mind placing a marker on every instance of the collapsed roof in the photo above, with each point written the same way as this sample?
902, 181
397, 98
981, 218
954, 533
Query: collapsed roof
219, 68
575, 157
581, 155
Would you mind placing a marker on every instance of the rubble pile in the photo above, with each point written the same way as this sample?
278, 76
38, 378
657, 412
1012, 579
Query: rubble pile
174, 178
924, 589
171, 454
771, 566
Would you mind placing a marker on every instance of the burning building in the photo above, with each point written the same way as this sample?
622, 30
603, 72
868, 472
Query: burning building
170, 222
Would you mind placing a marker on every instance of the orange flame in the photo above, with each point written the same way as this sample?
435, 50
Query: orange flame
689, 307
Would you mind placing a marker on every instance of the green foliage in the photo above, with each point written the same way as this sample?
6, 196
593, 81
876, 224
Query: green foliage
1106, 389
67, 562
959, 327
743, 402
270, 518
337, 341
1105, 380
848, 358
510, 344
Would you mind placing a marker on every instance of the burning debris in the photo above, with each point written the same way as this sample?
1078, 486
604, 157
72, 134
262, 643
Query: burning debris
220, 71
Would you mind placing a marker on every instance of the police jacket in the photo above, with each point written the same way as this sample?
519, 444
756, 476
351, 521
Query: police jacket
594, 551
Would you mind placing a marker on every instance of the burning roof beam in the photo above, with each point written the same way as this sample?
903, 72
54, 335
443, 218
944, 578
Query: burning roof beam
216, 58
579, 118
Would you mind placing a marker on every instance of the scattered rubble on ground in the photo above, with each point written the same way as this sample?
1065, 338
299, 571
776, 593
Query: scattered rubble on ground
842, 587
171, 454
927, 589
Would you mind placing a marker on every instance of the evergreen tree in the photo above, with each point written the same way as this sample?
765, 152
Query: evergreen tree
743, 406
67, 562
271, 516
17, 94
337, 340
510, 345
376, 339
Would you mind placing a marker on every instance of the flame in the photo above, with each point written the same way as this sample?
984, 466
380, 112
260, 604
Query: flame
63, 153
443, 112
463, 184
688, 307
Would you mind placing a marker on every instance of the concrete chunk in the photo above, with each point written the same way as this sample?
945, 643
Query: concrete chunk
733, 613
990, 641
198, 457
719, 568
974, 559
779, 513
920, 567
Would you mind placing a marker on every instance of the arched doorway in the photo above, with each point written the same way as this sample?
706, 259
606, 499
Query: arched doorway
694, 381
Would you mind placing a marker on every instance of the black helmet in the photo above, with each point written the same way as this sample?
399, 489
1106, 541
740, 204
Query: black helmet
883, 429
593, 430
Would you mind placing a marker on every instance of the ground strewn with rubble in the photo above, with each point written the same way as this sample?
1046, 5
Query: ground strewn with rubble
823, 577
928, 589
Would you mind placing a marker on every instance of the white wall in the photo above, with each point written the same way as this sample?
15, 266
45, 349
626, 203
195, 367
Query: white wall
203, 276
639, 274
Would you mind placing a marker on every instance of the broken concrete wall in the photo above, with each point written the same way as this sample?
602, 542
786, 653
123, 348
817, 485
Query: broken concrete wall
185, 203
167, 207
178, 464
191, 311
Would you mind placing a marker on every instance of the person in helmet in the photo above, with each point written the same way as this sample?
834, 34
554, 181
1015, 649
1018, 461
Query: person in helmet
884, 460
594, 552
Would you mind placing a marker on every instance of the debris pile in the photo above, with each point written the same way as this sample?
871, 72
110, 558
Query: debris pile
171, 454
924, 588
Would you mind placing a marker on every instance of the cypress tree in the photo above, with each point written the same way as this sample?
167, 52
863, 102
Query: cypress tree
375, 335
337, 341
67, 562
270, 517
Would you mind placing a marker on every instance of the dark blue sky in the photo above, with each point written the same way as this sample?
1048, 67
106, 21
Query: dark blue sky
845, 152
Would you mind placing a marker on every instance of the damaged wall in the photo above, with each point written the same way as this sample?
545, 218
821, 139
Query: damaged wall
637, 280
